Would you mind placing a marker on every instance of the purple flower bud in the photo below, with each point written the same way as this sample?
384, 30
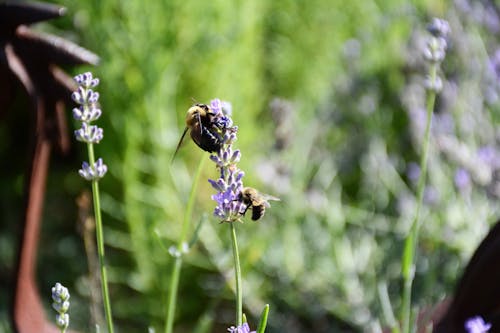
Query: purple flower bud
435, 50
490, 156
435, 85
86, 80
476, 325
216, 106
93, 96
462, 179
89, 133
76, 97
93, 173
439, 27
235, 158
413, 172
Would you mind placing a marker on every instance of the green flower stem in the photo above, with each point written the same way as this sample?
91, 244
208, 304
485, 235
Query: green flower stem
176, 270
409, 254
237, 275
100, 243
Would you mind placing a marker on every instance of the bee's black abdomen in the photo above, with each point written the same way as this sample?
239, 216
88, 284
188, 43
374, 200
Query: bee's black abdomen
206, 140
257, 212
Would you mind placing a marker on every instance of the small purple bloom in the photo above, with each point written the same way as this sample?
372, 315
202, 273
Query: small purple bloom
86, 114
95, 172
413, 172
89, 133
494, 64
240, 329
439, 27
216, 106
431, 195
462, 179
476, 325
434, 84
86, 80
490, 156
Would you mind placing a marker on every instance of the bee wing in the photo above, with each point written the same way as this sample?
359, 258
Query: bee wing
268, 197
179, 144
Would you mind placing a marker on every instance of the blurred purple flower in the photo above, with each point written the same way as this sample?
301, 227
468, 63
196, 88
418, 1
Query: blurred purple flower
462, 179
494, 65
431, 195
490, 156
476, 325
413, 172
439, 27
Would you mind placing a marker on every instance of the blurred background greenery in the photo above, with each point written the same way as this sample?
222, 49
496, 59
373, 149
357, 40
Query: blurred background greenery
328, 98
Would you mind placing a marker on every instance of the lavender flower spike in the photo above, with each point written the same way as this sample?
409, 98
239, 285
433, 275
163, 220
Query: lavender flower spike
87, 112
60, 297
230, 182
477, 325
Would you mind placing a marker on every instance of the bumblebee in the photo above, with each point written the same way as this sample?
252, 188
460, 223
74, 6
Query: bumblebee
256, 201
203, 129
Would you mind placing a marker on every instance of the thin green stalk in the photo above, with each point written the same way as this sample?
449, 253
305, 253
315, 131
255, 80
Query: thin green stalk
176, 270
408, 264
100, 243
263, 320
237, 275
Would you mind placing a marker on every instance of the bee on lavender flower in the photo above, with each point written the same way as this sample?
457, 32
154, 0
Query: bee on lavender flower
205, 128
256, 201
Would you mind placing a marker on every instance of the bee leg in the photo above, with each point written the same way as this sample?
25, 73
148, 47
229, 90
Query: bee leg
179, 144
246, 208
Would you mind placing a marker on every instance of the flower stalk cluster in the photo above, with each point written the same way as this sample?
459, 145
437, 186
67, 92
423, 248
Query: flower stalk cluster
87, 112
434, 53
60, 298
228, 187
230, 181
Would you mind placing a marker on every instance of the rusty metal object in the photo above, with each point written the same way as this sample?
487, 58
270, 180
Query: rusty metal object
32, 58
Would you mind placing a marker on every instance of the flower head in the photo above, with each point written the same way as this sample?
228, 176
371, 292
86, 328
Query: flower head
240, 329
230, 181
476, 325
89, 133
95, 172
435, 51
439, 27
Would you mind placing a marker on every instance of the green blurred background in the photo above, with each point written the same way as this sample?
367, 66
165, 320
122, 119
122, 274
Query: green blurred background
328, 98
